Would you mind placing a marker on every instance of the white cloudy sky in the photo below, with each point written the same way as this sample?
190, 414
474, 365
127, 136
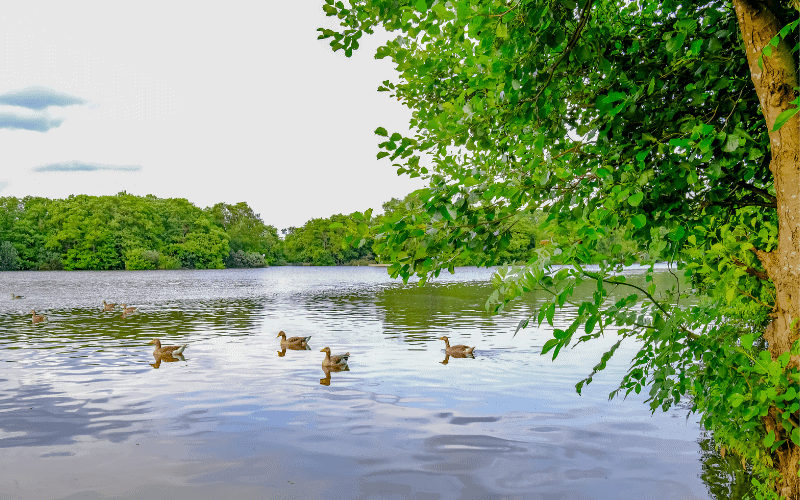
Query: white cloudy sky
210, 102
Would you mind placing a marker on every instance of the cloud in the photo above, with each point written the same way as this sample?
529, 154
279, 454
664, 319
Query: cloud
77, 166
37, 123
39, 98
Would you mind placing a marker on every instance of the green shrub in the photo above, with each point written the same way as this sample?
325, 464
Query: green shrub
9, 257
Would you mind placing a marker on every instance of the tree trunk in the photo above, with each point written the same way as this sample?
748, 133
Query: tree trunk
774, 85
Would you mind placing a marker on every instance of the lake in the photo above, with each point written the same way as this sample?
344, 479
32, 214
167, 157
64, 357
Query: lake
87, 412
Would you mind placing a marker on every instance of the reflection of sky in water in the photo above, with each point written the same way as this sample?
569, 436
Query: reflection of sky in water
79, 391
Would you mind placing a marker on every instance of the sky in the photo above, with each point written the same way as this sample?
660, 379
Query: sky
197, 101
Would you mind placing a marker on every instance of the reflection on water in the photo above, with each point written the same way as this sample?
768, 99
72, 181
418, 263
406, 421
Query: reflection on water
166, 358
448, 355
332, 369
83, 412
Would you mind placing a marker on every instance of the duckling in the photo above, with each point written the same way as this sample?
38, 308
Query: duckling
456, 349
293, 341
167, 350
127, 310
16, 296
336, 359
108, 307
36, 318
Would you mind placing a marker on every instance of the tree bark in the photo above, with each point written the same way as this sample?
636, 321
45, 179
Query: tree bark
775, 85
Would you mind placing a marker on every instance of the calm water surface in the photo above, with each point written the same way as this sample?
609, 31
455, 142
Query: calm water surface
86, 412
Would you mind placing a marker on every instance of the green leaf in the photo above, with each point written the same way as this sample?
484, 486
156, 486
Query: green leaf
769, 439
381, 131
549, 345
675, 43
784, 117
635, 199
639, 221
747, 340
731, 144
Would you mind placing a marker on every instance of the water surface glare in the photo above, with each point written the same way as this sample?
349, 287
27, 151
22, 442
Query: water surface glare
87, 412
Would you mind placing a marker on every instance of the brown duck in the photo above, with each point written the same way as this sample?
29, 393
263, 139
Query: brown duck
336, 359
37, 318
108, 307
455, 350
16, 296
293, 341
167, 350
127, 310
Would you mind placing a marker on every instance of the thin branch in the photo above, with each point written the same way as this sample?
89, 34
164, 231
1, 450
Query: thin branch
690, 334
575, 36
772, 308
751, 271
759, 191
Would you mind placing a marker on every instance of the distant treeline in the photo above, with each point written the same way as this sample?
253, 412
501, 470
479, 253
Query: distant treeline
131, 232
146, 232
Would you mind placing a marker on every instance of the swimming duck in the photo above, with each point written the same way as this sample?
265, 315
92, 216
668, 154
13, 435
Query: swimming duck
455, 349
108, 307
127, 310
336, 359
167, 350
16, 296
292, 341
36, 318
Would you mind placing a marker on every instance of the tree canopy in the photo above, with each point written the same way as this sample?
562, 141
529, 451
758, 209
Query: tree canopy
671, 124
131, 232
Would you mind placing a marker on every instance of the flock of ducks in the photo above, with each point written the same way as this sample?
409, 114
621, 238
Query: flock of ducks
338, 362
331, 363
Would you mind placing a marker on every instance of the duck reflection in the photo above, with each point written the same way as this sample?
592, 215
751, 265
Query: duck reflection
447, 356
328, 370
282, 352
166, 358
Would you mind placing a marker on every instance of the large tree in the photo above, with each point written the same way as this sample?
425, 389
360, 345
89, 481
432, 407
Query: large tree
670, 123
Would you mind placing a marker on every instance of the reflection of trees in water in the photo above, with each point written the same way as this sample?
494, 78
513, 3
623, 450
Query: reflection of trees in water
79, 328
724, 477
411, 311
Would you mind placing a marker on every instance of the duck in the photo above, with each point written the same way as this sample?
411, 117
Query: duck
455, 350
127, 310
108, 307
167, 350
293, 341
16, 296
36, 318
336, 359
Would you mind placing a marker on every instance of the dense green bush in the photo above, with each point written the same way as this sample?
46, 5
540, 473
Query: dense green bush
9, 257
140, 258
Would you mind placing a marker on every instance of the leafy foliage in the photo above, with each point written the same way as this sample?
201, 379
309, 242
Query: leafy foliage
627, 121
131, 232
